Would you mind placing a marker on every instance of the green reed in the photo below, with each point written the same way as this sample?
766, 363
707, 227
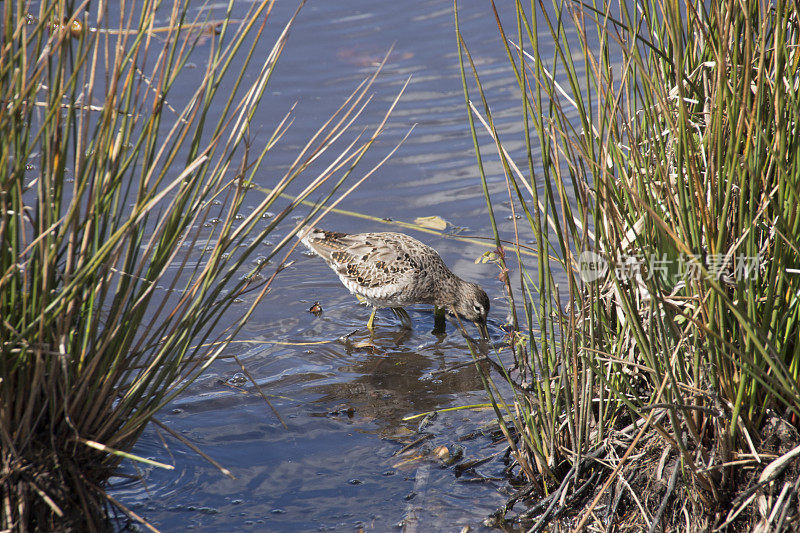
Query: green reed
116, 289
666, 135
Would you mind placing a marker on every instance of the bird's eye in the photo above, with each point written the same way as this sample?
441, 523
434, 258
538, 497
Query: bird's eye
477, 308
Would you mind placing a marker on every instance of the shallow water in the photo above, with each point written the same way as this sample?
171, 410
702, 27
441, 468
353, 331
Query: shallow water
340, 392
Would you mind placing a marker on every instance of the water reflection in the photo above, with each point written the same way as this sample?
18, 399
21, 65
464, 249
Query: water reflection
393, 384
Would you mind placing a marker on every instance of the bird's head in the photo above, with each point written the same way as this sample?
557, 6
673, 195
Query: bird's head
473, 304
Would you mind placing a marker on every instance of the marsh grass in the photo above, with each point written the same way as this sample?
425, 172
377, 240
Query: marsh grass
123, 239
663, 138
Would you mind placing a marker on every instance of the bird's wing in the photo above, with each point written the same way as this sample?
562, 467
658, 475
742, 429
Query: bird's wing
364, 259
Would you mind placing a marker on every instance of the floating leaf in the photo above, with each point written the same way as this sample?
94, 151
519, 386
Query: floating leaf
433, 222
486, 257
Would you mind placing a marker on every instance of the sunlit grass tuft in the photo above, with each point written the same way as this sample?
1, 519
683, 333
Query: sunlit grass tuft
126, 257
664, 140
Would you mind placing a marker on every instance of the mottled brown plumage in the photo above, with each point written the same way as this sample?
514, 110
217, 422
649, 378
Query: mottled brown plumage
395, 270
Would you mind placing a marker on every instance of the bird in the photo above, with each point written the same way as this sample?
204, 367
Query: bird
388, 269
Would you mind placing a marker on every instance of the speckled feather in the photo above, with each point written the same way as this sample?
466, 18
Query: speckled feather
394, 270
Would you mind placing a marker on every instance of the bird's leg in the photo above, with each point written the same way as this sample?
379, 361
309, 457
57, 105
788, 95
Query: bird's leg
439, 321
401, 313
371, 321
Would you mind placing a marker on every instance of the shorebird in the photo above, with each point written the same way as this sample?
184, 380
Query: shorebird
394, 270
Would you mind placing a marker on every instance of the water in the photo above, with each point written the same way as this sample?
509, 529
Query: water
340, 392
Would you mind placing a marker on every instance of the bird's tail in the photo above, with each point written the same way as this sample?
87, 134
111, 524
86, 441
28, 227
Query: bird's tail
304, 233
309, 234
324, 243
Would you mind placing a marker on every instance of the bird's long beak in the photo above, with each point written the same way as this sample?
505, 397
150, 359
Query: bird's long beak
484, 329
